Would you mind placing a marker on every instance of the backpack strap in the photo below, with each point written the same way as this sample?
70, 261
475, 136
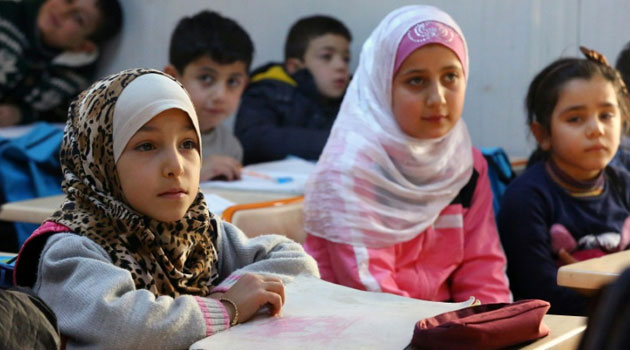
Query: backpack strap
465, 195
27, 262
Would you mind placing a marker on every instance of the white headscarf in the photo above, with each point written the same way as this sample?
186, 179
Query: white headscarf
375, 186
145, 97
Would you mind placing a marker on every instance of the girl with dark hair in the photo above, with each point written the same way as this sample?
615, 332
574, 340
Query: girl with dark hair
570, 205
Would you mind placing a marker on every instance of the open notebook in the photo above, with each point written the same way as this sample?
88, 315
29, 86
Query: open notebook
322, 315
217, 204
286, 176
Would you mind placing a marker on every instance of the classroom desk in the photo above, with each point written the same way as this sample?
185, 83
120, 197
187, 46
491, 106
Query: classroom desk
38, 209
321, 315
565, 333
590, 275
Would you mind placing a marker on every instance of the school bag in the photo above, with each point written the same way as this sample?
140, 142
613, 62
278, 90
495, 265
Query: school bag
500, 173
30, 169
6, 272
482, 327
26, 322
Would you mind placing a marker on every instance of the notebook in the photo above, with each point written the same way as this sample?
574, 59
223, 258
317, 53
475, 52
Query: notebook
285, 176
322, 315
216, 203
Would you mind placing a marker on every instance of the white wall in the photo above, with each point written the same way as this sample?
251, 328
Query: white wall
509, 42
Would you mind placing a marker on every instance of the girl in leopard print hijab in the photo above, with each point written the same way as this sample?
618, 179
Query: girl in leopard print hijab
166, 257
134, 244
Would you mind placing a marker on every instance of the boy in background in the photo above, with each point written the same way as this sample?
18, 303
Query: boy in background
210, 55
48, 53
289, 109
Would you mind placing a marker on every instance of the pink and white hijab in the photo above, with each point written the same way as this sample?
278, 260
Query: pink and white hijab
375, 186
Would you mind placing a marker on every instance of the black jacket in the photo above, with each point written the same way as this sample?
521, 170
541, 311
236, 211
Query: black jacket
283, 115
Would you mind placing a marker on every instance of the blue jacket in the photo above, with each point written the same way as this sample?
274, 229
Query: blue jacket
283, 115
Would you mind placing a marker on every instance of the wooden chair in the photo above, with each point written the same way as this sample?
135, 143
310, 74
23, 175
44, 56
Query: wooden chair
283, 216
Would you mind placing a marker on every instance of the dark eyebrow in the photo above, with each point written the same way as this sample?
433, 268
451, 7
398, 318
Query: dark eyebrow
148, 128
575, 108
233, 75
332, 48
445, 68
207, 69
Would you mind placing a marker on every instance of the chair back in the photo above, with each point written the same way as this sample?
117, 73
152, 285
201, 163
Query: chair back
283, 217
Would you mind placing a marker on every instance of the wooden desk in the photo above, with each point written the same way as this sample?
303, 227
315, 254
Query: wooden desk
32, 210
321, 315
38, 209
565, 333
594, 273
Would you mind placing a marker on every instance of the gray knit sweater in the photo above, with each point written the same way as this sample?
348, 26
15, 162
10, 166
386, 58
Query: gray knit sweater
98, 306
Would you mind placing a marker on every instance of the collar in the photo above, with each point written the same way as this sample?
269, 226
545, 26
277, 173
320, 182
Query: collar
576, 188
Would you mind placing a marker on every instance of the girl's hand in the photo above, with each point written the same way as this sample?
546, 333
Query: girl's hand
251, 292
9, 115
224, 167
566, 258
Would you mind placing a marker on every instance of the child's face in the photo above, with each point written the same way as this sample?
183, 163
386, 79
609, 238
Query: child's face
585, 127
66, 24
428, 92
327, 59
159, 168
215, 89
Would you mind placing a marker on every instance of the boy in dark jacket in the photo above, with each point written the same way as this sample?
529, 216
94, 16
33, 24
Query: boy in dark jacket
48, 51
289, 109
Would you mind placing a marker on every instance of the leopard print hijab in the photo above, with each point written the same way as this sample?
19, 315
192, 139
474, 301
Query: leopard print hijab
166, 258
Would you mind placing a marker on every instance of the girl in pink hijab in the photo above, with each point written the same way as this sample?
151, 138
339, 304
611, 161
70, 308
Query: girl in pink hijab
400, 201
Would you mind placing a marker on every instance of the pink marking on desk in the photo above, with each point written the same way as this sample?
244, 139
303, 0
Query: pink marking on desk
324, 329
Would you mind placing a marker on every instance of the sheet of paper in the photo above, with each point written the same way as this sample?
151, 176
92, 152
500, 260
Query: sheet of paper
298, 170
216, 203
322, 315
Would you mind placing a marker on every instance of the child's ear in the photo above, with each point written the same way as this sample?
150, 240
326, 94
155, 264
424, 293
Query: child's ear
172, 71
541, 135
292, 65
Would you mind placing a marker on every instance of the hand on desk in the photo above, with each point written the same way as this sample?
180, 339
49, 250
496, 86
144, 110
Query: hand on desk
224, 167
252, 292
